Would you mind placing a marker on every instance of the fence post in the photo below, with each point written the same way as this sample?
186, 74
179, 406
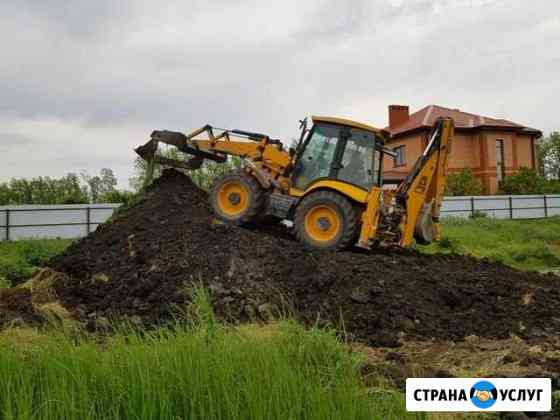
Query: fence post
88, 219
472, 206
7, 224
545, 206
510, 207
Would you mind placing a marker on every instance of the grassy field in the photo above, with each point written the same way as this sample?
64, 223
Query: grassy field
19, 259
524, 244
199, 370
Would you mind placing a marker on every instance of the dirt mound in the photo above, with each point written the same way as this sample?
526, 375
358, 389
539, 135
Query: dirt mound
33, 302
145, 260
16, 308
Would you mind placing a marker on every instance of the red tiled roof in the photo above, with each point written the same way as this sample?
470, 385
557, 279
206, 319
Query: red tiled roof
427, 116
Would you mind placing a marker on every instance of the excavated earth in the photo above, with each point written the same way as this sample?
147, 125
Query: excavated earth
142, 264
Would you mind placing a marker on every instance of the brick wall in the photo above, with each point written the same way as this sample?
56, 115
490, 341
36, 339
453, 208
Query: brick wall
475, 149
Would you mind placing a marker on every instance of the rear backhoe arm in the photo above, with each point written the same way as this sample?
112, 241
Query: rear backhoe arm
420, 195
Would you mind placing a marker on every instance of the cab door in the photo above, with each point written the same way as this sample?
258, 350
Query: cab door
318, 157
359, 159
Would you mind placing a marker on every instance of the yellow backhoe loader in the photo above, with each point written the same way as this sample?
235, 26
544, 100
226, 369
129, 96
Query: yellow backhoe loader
330, 185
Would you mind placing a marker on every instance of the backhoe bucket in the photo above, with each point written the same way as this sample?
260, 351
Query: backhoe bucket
425, 231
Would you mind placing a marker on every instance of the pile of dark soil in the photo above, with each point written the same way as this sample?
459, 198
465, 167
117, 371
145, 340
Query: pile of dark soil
16, 308
144, 261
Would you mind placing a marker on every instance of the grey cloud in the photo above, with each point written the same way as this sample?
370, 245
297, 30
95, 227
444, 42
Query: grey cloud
74, 18
261, 66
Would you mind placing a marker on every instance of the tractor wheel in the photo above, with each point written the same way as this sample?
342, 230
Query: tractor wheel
237, 197
326, 220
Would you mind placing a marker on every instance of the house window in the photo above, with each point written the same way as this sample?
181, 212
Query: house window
400, 158
500, 167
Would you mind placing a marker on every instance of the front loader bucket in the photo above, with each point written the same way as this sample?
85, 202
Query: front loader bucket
148, 151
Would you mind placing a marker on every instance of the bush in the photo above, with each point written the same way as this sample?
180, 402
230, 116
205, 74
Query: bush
526, 181
117, 196
556, 403
552, 186
463, 183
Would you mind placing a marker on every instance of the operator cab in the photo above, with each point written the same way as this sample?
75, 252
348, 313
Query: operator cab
339, 149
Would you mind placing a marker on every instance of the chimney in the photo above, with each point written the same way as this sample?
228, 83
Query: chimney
398, 114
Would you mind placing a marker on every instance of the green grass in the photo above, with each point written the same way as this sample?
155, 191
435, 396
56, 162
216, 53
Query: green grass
524, 244
19, 259
200, 370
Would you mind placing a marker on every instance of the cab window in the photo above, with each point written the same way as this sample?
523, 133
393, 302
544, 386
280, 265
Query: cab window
358, 165
317, 158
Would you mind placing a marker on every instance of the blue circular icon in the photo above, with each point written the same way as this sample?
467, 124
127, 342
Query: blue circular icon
483, 394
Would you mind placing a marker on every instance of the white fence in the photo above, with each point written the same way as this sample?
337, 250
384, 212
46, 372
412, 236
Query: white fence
52, 221
77, 220
503, 206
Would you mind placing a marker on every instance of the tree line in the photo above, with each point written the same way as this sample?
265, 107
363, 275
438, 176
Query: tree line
69, 189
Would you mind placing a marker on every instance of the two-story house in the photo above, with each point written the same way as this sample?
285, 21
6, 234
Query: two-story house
492, 148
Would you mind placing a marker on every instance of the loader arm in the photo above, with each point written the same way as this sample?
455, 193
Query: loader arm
420, 195
263, 155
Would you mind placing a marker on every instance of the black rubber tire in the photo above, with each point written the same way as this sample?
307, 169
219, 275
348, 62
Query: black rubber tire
256, 197
345, 210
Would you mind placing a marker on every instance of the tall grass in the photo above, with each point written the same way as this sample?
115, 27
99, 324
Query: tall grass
525, 244
19, 259
200, 370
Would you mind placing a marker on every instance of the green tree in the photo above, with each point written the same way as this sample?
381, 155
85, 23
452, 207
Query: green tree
6, 194
548, 154
71, 191
101, 185
65, 190
116, 196
108, 181
463, 183
43, 190
94, 184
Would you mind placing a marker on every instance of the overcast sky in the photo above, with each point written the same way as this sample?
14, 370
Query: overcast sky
82, 82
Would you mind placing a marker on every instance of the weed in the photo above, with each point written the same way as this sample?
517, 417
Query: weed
192, 371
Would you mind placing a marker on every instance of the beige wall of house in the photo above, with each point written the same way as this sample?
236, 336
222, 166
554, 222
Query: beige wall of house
463, 154
475, 150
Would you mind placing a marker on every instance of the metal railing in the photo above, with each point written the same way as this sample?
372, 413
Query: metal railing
84, 212
537, 206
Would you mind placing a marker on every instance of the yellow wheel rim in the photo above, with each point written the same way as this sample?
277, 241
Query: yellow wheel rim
233, 198
322, 223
